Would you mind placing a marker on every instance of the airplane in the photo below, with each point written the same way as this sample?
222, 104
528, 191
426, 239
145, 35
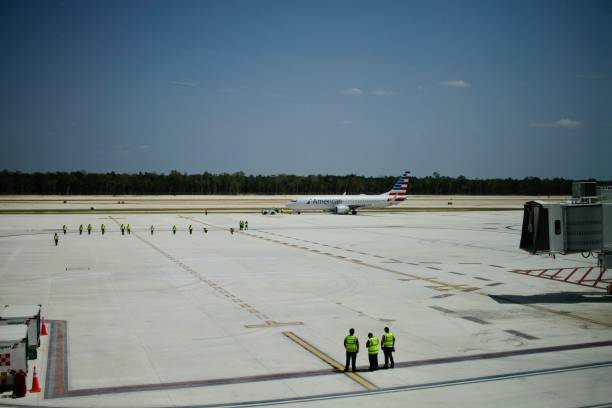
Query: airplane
344, 204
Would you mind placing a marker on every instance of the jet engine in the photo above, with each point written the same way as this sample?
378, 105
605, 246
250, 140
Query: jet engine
342, 209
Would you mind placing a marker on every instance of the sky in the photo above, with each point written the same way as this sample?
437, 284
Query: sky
482, 89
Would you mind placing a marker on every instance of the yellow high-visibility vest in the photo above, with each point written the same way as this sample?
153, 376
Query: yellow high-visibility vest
350, 343
373, 347
388, 339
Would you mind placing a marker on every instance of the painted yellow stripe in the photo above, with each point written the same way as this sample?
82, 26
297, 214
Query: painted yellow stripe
312, 349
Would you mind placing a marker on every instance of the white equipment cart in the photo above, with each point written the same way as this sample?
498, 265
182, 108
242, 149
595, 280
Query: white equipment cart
13, 354
28, 315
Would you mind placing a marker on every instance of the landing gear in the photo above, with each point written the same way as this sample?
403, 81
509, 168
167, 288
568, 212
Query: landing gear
354, 212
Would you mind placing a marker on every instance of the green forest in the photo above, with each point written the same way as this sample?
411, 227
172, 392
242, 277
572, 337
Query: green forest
81, 182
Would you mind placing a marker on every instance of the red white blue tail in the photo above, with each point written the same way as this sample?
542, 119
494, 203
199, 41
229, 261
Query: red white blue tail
398, 192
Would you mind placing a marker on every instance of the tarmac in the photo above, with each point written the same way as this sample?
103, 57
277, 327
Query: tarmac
197, 203
258, 317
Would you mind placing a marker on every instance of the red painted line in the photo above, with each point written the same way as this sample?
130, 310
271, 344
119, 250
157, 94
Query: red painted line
558, 272
582, 282
543, 272
585, 275
59, 387
569, 276
603, 270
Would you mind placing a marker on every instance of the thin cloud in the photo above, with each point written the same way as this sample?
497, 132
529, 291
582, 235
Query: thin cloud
382, 92
125, 150
187, 82
590, 76
359, 92
565, 123
352, 91
455, 83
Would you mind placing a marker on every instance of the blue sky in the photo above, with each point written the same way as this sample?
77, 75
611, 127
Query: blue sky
475, 88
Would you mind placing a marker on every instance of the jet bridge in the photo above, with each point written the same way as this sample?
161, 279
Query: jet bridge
580, 225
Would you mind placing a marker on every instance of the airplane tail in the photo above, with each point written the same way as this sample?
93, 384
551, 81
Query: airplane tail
398, 192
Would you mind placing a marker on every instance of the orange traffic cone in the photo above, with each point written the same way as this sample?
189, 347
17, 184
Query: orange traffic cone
35, 383
43, 330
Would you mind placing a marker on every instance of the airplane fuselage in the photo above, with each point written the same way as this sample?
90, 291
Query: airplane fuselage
340, 203
344, 204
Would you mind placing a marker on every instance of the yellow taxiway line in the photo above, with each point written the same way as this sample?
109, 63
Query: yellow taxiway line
312, 349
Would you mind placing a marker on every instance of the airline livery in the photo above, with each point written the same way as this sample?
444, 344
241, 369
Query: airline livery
344, 204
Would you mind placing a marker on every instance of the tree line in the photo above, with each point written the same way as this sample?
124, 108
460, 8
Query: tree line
81, 182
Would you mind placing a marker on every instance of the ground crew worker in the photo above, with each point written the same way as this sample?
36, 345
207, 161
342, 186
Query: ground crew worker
246, 225
388, 347
55, 238
129, 230
174, 230
89, 229
232, 230
205, 230
122, 229
152, 229
241, 225
103, 228
81, 229
351, 345
65, 229
372, 345
190, 229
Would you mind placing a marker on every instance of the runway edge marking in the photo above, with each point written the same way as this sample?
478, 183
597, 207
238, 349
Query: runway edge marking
57, 383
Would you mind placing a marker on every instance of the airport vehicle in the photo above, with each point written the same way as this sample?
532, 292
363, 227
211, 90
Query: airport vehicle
28, 315
13, 354
270, 211
344, 204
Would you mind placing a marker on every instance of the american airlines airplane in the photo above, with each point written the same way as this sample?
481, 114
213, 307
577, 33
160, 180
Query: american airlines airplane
344, 204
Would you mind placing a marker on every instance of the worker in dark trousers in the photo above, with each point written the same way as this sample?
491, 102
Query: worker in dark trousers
351, 345
122, 229
129, 229
103, 228
152, 230
388, 347
89, 228
65, 229
55, 238
241, 225
190, 229
205, 230
246, 225
81, 229
174, 230
372, 345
